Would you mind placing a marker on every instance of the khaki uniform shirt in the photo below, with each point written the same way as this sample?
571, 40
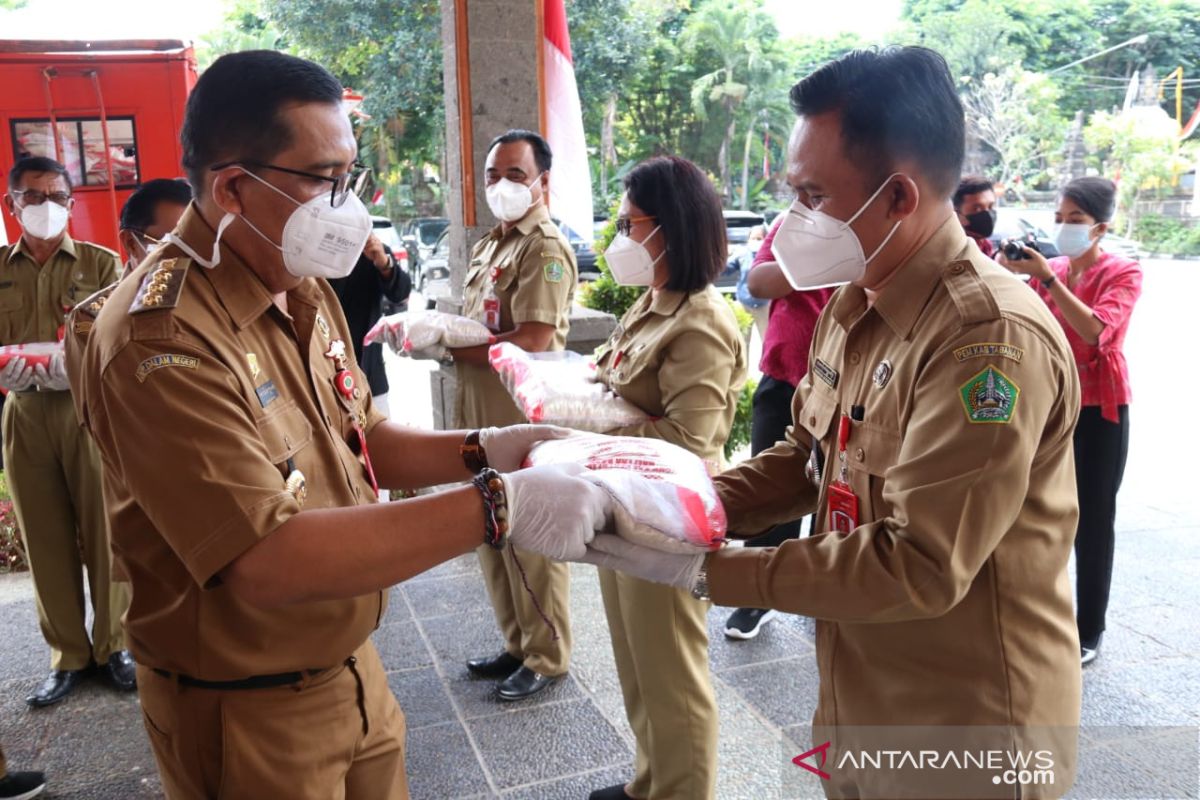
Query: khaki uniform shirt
681, 359
202, 402
531, 271
34, 300
949, 604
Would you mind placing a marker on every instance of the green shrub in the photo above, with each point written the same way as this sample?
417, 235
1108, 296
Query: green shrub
12, 547
604, 293
739, 434
1166, 235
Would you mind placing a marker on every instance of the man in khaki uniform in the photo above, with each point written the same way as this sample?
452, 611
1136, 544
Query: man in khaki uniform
242, 449
519, 283
53, 469
947, 392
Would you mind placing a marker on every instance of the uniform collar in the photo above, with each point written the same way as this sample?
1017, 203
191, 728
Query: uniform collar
667, 302
67, 245
901, 301
241, 292
527, 224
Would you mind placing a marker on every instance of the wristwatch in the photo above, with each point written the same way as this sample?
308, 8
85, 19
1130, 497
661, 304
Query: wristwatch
700, 584
1048, 282
472, 452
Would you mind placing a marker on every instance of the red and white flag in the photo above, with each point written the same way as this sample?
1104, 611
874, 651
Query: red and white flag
570, 177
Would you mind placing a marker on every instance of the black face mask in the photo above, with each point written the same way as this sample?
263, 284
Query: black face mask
982, 223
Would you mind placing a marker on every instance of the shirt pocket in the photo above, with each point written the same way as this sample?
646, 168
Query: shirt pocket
284, 432
870, 453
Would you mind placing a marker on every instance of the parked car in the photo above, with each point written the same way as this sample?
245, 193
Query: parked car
387, 233
420, 235
585, 253
434, 280
738, 225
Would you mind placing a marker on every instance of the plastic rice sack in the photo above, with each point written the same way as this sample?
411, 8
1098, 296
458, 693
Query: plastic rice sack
663, 495
34, 353
427, 334
561, 389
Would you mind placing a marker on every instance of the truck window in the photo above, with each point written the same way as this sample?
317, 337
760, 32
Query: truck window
81, 143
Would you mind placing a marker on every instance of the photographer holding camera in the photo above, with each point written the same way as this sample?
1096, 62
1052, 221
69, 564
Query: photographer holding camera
1092, 294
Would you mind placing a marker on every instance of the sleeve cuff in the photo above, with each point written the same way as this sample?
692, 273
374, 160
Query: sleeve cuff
546, 317
237, 535
733, 576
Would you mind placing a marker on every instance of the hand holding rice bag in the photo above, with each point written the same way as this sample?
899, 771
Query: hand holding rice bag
663, 496
561, 389
427, 334
35, 353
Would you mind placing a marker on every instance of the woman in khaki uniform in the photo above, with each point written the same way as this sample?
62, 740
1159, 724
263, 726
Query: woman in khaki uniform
678, 355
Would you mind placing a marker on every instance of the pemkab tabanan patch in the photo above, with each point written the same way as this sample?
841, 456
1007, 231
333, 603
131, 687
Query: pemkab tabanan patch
990, 397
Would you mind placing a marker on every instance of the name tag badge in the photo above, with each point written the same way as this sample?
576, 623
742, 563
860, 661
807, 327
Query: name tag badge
826, 373
843, 508
267, 393
491, 312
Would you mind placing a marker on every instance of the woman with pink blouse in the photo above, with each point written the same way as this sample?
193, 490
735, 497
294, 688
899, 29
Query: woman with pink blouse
1092, 293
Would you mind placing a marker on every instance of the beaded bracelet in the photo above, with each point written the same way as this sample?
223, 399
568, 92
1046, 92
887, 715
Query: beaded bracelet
495, 507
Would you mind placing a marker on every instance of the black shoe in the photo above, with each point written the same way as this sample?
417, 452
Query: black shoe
122, 671
1089, 651
58, 684
745, 623
611, 793
523, 684
22, 785
500, 666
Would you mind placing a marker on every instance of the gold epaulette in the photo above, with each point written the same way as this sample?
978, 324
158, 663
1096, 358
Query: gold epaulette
83, 316
161, 286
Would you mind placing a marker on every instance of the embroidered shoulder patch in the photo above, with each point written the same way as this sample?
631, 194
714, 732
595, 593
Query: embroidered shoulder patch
990, 350
553, 272
990, 397
165, 360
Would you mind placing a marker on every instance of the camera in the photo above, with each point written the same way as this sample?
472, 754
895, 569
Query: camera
1012, 248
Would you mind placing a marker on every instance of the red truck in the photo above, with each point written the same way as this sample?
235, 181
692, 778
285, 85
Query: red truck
110, 111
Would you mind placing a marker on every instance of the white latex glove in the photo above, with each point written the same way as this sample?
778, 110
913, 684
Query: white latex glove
554, 512
507, 447
17, 375
612, 552
55, 378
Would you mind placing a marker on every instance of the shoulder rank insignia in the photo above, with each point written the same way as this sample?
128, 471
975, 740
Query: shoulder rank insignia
990, 396
83, 316
161, 286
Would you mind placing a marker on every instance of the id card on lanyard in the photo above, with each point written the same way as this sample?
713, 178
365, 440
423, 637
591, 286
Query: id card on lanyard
491, 302
842, 502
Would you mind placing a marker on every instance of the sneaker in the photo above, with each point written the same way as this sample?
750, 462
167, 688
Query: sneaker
22, 785
745, 623
1089, 652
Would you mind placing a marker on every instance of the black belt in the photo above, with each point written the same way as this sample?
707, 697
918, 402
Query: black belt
253, 682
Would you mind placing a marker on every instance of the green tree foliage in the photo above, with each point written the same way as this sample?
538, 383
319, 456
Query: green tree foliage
246, 27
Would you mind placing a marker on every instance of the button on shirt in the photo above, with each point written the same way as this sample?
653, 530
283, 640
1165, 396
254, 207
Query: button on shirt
35, 299
949, 603
200, 412
682, 360
532, 273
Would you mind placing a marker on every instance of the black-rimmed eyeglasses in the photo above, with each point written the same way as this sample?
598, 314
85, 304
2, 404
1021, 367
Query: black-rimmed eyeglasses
343, 184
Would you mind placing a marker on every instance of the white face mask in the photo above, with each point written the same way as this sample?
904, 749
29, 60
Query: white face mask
45, 221
1073, 239
815, 250
509, 200
630, 261
319, 241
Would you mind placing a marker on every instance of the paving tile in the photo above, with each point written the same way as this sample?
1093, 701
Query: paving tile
400, 646
25, 652
463, 565
542, 743
422, 696
776, 641
458, 637
785, 692
397, 609
576, 786
451, 595
477, 698
441, 764
747, 749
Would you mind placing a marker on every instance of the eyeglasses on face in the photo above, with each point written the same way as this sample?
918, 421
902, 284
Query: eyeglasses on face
33, 197
343, 184
625, 224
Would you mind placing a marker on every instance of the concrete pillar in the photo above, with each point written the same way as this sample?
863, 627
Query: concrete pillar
491, 52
